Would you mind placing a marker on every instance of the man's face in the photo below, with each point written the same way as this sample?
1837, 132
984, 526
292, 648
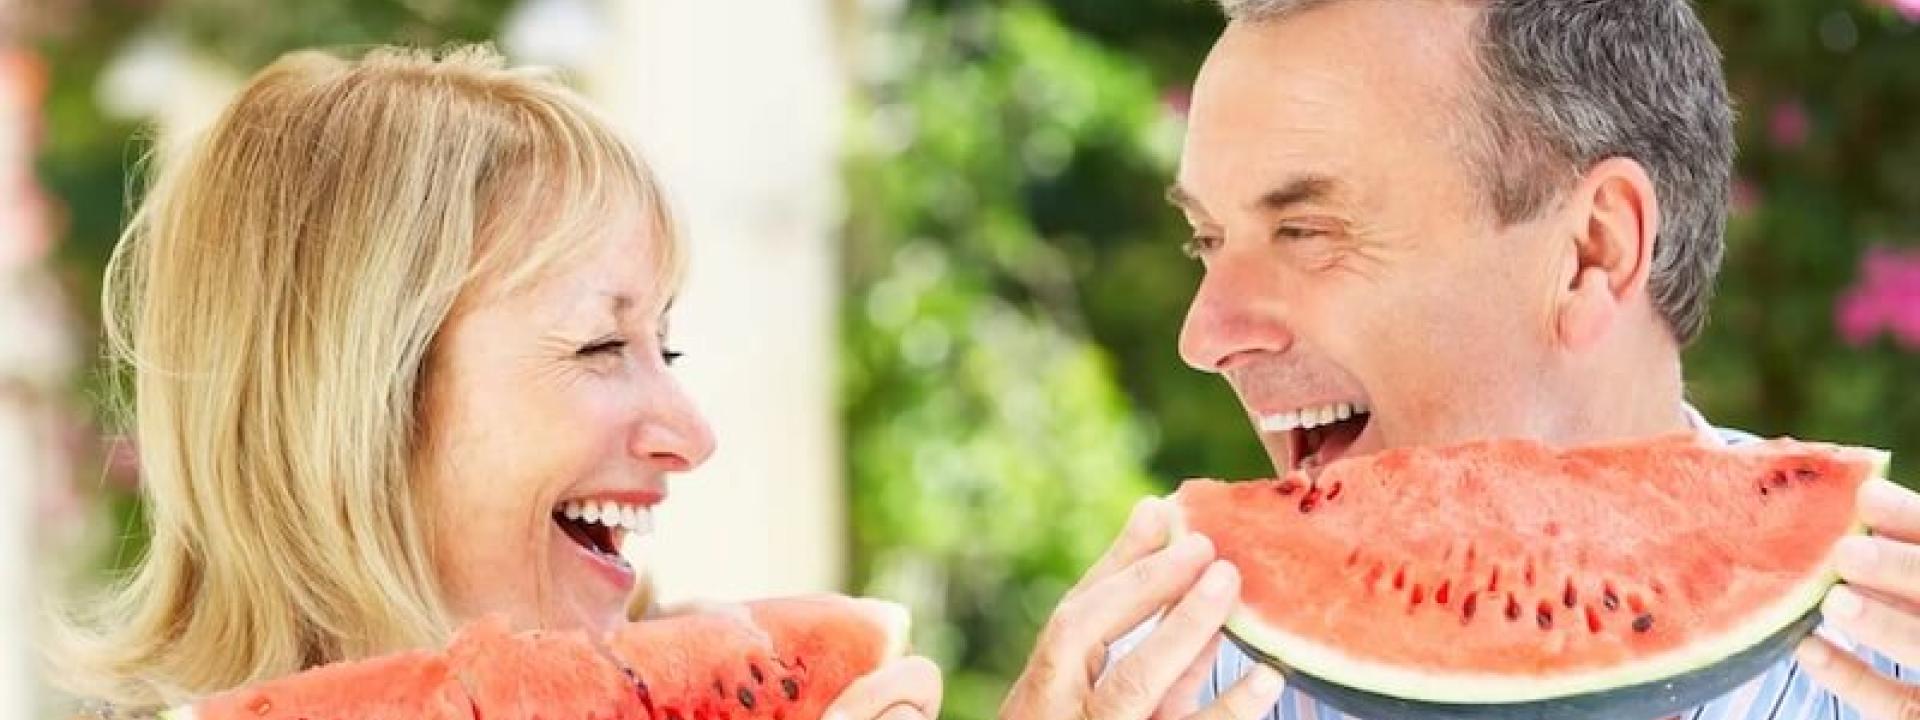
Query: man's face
1352, 258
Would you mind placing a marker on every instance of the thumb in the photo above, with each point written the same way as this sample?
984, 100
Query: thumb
913, 681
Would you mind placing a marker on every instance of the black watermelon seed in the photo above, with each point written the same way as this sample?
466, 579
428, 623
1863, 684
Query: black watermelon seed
1513, 608
746, 698
1643, 623
1570, 598
1467, 606
1311, 501
790, 688
1544, 618
754, 670
1610, 601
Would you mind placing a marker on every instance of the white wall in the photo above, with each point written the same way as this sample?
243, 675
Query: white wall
738, 105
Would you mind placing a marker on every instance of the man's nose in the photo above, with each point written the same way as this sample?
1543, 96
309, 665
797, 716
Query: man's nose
1236, 313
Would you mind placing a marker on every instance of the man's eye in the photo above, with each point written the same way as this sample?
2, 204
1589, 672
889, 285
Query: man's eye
670, 356
1200, 245
1295, 232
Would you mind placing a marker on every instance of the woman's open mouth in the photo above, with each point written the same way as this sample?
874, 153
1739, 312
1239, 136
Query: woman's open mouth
601, 527
1319, 434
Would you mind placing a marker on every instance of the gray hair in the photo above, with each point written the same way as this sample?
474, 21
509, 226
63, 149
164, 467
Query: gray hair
1569, 83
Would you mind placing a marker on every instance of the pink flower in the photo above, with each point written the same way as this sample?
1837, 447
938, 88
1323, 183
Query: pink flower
1789, 125
1886, 299
1909, 9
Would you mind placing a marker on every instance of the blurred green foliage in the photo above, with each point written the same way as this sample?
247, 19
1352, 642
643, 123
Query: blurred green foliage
1011, 162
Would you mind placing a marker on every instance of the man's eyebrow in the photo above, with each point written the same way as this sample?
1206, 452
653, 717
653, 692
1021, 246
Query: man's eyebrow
1295, 191
1298, 190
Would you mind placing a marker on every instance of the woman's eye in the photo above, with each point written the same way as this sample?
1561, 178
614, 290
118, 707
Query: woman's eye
603, 347
671, 355
1294, 232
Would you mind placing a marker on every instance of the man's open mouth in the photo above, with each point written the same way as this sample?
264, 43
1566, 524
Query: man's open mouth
603, 526
1318, 434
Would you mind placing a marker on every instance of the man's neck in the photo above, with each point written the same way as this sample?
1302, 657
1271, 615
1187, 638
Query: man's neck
1632, 389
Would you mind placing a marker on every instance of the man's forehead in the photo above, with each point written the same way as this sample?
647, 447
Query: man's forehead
1333, 94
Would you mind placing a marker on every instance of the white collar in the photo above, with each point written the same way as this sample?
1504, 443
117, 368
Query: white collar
1700, 425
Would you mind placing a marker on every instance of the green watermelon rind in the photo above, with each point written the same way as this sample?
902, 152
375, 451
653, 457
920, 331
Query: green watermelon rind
1295, 654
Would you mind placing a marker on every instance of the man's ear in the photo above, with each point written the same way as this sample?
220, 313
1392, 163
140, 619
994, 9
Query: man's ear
1611, 221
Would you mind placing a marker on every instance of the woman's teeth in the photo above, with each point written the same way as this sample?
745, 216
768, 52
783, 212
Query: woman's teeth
635, 519
1312, 417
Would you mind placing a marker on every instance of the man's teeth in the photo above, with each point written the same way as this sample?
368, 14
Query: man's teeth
1311, 417
636, 519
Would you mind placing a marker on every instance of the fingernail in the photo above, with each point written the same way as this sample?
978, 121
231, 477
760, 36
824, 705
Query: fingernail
1855, 556
1814, 653
1217, 582
1265, 680
1842, 603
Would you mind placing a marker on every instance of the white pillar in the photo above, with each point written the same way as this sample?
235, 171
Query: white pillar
738, 105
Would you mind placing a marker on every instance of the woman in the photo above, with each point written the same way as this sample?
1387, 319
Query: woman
387, 321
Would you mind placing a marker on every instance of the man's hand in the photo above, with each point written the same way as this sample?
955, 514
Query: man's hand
1141, 574
1879, 606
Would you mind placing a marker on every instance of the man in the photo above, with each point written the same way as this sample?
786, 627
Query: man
1474, 218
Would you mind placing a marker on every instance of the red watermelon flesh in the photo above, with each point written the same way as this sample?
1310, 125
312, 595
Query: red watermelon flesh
783, 659
1505, 571
694, 667
408, 685
806, 643
539, 675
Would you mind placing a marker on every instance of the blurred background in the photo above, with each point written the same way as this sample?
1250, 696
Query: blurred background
935, 288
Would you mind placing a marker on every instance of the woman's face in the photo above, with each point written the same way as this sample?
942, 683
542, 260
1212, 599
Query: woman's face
552, 423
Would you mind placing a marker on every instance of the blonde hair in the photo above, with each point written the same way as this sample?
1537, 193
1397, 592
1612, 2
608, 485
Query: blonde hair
276, 297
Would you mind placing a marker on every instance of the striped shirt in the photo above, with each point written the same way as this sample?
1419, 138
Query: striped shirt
1781, 693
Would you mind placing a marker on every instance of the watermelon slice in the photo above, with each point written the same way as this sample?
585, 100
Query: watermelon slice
1507, 579
782, 659
416, 684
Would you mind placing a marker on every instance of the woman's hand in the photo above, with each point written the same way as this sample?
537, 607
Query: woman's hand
906, 688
